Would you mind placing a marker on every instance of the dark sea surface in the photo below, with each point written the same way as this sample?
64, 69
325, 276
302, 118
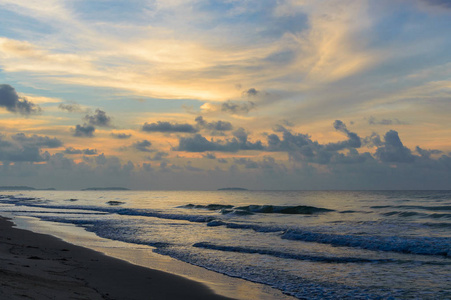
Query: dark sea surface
308, 244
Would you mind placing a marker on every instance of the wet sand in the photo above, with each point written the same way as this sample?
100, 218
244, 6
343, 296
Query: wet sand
37, 266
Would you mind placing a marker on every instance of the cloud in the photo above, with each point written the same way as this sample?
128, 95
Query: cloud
73, 107
24, 149
84, 130
71, 150
353, 141
25, 154
237, 108
210, 156
37, 141
89, 151
168, 127
198, 143
374, 140
427, 153
244, 144
251, 92
142, 146
214, 126
10, 100
393, 150
300, 147
158, 156
121, 136
98, 119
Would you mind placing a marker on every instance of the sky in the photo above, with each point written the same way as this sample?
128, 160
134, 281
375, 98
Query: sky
203, 94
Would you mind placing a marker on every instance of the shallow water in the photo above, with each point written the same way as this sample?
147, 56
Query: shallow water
309, 244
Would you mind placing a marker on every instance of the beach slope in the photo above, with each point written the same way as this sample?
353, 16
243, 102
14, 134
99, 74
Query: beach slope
37, 266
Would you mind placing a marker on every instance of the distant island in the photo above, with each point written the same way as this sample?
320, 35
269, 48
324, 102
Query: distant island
106, 189
233, 189
23, 188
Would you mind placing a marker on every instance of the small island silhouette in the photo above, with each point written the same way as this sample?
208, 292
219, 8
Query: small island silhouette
106, 189
233, 189
23, 188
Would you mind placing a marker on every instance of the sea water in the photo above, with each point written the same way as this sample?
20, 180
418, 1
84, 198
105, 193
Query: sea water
308, 244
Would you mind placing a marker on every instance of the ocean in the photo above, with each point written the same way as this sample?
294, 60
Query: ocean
307, 244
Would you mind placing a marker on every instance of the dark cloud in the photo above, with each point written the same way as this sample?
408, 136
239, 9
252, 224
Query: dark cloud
159, 156
244, 144
198, 143
98, 119
70, 107
37, 141
25, 154
374, 140
214, 126
300, 147
210, 156
251, 92
89, 151
353, 141
373, 121
142, 146
222, 160
10, 100
23, 150
84, 130
289, 141
427, 153
168, 127
71, 150
121, 136
393, 150
237, 108
147, 167
351, 157
128, 167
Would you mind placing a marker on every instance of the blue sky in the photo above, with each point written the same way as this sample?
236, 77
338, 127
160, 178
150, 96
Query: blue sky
200, 94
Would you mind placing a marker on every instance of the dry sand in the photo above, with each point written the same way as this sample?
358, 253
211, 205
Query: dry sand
37, 266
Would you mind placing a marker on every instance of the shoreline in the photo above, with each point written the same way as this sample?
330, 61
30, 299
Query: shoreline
40, 266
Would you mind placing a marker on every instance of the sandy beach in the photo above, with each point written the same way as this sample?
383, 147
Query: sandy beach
37, 266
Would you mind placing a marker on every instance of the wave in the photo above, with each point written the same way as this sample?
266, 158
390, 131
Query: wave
403, 214
439, 216
420, 245
438, 225
295, 210
288, 255
130, 212
108, 229
262, 209
430, 208
207, 207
